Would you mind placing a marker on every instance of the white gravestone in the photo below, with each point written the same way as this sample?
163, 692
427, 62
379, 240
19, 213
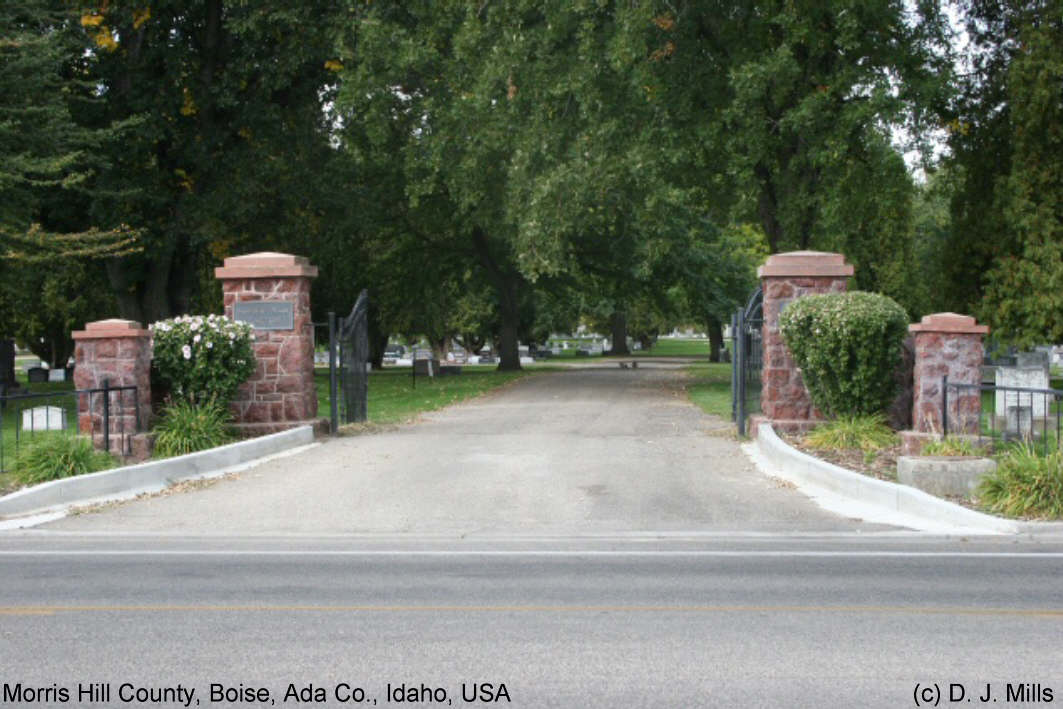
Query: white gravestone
1028, 378
44, 418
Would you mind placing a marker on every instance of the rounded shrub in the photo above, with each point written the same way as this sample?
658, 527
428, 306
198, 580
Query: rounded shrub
847, 346
187, 427
203, 358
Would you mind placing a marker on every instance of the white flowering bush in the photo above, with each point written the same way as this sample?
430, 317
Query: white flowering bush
847, 346
201, 358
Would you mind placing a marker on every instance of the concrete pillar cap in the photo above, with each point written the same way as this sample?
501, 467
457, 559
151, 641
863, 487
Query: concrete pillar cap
805, 263
949, 322
266, 264
111, 328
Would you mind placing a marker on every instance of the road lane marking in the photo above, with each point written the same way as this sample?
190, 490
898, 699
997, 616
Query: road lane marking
915, 610
540, 553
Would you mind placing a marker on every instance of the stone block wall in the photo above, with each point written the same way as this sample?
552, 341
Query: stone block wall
118, 351
947, 344
785, 277
281, 392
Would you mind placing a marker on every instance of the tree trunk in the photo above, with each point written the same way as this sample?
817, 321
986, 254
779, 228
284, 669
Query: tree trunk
378, 339
715, 339
507, 284
618, 323
508, 352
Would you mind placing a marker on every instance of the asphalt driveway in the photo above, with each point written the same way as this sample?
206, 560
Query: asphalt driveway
586, 451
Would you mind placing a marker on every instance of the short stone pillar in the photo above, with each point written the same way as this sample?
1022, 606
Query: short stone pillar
271, 291
785, 277
947, 344
118, 351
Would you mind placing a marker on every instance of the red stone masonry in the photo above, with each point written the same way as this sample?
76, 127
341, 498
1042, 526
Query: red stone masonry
119, 351
785, 277
947, 344
281, 392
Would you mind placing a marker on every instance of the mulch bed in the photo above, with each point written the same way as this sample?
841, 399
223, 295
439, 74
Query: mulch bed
883, 466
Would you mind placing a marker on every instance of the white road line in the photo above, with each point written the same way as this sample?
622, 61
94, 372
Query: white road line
539, 553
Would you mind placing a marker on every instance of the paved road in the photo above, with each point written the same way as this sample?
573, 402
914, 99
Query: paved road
575, 452
741, 621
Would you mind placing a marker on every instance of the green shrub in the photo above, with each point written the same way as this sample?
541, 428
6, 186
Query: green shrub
187, 427
868, 433
847, 346
203, 358
52, 457
950, 446
1025, 484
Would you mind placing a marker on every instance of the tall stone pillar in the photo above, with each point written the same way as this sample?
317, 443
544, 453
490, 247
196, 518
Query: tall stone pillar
271, 291
118, 351
785, 277
947, 344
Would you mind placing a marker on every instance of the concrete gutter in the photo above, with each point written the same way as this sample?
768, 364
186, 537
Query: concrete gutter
855, 495
42, 500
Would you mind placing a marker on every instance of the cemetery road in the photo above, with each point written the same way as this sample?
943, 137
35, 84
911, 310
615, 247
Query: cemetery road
587, 451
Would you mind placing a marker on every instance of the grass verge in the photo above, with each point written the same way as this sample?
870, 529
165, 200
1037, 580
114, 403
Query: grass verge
394, 398
710, 388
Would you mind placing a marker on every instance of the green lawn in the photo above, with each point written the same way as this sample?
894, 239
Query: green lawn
393, 398
710, 388
676, 348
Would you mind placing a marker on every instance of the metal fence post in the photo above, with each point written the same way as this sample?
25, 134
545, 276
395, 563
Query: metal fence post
734, 369
334, 414
945, 406
107, 415
740, 350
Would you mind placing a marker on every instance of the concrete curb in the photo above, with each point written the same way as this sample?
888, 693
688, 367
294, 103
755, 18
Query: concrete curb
923, 509
133, 480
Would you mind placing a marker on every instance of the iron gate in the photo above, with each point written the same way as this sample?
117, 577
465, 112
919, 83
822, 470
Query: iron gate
349, 364
746, 334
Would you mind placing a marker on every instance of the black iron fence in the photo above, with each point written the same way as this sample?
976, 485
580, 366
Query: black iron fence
746, 329
1003, 413
111, 415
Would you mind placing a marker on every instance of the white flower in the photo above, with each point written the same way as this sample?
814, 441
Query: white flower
210, 345
194, 326
196, 339
187, 352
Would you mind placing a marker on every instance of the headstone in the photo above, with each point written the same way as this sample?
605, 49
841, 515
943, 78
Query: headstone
1035, 377
44, 418
57, 375
1037, 358
37, 375
426, 367
1019, 421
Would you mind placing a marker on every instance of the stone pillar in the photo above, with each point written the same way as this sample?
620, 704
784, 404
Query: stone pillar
118, 351
272, 292
785, 277
947, 344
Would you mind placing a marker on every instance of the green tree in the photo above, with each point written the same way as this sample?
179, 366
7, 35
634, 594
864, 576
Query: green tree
49, 159
228, 98
1024, 290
